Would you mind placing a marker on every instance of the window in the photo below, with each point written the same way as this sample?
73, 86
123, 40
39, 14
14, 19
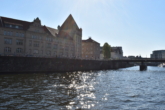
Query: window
7, 49
36, 44
55, 46
30, 51
54, 52
37, 30
7, 33
35, 51
13, 26
48, 45
42, 45
49, 52
11, 33
32, 37
19, 42
4, 33
22, 35
30, 43
17, 34
48, 39
16, 27
41, 51
8, 41
19, 50
36, 37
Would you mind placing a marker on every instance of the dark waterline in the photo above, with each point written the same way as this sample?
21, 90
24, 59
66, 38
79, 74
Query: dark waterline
126, 88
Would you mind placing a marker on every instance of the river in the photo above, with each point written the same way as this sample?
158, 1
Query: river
126, 88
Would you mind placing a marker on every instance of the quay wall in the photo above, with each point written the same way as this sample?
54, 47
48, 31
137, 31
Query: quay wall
10, 64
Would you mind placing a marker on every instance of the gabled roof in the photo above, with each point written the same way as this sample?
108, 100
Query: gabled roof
69, 22
52, 31
90, 40
24, 24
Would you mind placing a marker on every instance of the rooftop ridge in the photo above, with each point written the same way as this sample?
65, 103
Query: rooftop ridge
16, 19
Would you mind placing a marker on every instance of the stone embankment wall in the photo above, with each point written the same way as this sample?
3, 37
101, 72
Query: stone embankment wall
34, 64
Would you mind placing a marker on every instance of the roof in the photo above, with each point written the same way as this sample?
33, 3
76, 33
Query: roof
0, 22
24, 24
158, 50
52, 31
115, 49
69, 22
90, 40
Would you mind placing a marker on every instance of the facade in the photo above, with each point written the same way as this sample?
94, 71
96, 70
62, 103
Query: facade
158, 54
22, 38
90, 49
116, 53
101, 53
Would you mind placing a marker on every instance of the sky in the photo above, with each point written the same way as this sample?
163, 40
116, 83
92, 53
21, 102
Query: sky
136, 25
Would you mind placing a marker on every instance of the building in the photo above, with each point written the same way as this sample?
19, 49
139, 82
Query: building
23, 38
116, 53
101, 53
158, 54
90, 49
131, 57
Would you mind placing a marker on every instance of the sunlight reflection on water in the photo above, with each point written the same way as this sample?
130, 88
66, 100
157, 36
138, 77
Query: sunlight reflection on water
126, 88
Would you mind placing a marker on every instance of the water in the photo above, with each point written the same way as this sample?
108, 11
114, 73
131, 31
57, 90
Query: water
127, 88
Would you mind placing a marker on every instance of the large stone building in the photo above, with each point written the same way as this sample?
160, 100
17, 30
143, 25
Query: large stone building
90, 49
22, 38
158, 54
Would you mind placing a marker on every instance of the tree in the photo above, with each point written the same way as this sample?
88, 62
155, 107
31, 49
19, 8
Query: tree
106, 51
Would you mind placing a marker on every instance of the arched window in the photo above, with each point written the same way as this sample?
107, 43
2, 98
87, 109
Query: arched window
7, 49
19, 50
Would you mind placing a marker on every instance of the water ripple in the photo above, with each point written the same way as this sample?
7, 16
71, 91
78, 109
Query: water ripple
126, 88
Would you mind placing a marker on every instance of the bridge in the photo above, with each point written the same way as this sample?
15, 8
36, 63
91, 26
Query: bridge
142, 60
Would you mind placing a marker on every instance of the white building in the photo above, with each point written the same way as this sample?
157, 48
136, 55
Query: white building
116, 53
158, 54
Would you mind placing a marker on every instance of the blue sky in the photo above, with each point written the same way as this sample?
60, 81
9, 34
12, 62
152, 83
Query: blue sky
136, 25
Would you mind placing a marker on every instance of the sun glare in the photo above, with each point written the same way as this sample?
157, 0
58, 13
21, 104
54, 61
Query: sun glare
85, 5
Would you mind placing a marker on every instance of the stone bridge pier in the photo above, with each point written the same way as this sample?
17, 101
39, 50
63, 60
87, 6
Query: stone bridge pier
143, 66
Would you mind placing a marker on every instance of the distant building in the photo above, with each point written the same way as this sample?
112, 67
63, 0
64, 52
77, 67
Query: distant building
116, 53
90, 49
23, 38
131, 57
101, 53
158, 54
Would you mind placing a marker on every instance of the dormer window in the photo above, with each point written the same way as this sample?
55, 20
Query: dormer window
13, 25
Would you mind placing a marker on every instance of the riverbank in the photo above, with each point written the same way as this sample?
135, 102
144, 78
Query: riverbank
10, 64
